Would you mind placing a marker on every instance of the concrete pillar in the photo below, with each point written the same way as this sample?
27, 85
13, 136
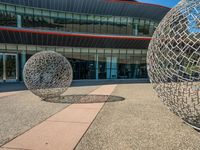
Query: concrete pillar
136, 29
19, 21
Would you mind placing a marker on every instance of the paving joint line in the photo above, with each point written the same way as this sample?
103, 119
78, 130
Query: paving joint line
93, 120
67, 122
15, 148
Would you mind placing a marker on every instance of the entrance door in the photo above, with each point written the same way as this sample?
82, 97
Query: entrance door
11, 67
111, 65
8, 67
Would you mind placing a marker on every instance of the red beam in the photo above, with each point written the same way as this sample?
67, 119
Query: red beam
34, 31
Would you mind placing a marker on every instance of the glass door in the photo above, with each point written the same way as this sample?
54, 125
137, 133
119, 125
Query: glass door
11, 67
1, 67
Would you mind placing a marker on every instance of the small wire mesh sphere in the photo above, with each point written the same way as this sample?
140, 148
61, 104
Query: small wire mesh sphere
47, 74
173, 61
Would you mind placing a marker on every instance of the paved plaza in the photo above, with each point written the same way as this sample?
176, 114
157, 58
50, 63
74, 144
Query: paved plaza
139, 121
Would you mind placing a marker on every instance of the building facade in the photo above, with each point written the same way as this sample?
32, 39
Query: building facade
102, 39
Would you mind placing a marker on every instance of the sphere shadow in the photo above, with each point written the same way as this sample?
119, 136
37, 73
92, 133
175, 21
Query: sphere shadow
81, 99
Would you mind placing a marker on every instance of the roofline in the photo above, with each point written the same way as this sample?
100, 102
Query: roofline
137, 3
47, 32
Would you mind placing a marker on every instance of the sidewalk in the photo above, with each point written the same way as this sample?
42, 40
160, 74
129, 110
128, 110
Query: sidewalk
139, 122
63, 130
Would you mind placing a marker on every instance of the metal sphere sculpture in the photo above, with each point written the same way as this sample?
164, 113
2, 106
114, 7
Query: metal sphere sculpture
47, 74
173, 61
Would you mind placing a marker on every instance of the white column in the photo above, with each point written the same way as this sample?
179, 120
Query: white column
136, 29
19, 21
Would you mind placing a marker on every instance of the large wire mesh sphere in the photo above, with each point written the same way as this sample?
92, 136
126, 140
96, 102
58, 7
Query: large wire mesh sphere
47, 74
173, 61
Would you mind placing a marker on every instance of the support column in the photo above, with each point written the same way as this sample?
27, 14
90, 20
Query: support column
19, 21
136, 29
97, 67
23, 61
4, 67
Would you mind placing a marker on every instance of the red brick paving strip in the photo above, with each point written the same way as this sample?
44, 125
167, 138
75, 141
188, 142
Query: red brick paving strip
64, 130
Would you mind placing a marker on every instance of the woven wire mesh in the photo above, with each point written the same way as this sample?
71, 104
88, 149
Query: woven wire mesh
173, 61
47, 74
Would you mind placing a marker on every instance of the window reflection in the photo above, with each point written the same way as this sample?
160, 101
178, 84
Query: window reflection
8, 19
72, 22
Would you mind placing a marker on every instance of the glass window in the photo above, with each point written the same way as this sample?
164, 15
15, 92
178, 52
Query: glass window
69, 22
11, 47
84, 23
76, 22
68, 52
73, 22
90, 23
2, 46
123, 25
136, 20
102, 64
31, 48
40, 48
37, 12
76, 53
54, 14
20, 10
92, 50
60, 49
146, 28
91, 66
151, 28
130, 51
2, 7
123, 72
61, 15
29, 11
110, 25
117, 25
8, 19
58, 23
46, 13
27, 21
141, 28
115, 51
97, 24
130, 26
137, 52
104, 26
10, 8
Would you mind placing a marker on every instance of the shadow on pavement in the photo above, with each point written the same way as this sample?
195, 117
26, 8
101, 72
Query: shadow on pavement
79, 99
107, 82
19, 86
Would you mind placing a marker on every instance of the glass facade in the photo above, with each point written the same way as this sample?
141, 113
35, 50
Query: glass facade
35, 18
87, 63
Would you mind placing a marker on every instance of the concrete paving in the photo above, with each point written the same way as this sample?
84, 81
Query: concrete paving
63, 130
21, 111
140, 122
